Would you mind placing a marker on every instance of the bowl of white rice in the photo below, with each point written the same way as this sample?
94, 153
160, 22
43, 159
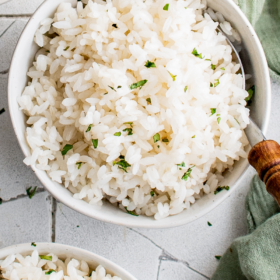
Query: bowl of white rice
42, 261
133, 112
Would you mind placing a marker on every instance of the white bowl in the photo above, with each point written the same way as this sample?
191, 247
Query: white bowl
254, 63
64, 251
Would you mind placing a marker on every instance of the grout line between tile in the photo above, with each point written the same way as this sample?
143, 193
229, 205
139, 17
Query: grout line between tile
53, 221
5, 71
16, 16
7, 29
22, 196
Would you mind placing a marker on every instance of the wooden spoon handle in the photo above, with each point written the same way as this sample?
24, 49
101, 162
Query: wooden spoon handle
265, 158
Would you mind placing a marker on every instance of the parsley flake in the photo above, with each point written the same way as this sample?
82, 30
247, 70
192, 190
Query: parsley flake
193, 136
172, 76
47, 51
66, 48
122, 164
129, 130
186, 88
213, 111
152, 193
156, 137
94, 143
219, 189
115, 25
196, 54
217, 82
79, 164
138, 84
150, 64
33, 244
223, 68
66, 149
149, 100
165, 140
89, 128
251, 92
207, 59
211, 85
187, 174
218, 119
218, 257
31, 192
49, 272
213, 67
121, 157
47, 258
118, 134
112, 88
166, 7
209, 224
119, 87
2, 111
133, 213
181, 164
237, 121
105, 93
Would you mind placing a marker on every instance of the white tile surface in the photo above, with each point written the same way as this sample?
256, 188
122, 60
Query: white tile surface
181, 253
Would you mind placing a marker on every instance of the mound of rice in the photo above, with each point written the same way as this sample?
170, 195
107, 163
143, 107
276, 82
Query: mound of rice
137, 102
44, 267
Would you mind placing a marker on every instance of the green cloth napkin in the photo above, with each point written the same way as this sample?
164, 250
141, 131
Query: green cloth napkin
255, 256
264, 15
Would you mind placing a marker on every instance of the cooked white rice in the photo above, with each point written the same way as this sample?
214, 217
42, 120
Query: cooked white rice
193, 98
34, 266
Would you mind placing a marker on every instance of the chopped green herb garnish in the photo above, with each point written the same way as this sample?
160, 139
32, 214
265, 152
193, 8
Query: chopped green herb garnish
219, 189
119, 87
47, 258
133, 213
149, 100
105, 93
209, 224
122, 164
78, 226
237, 121
94, 143
218, 115
31, 192
49, 272
166, 7
213, 111
187, 174
138, 84
172, 76
150, 64
47, 51
2, 111
130, 123
223, 68
33, 244
186, 88
207, 59
121, 157
112, 88
89, 128
66, 48
79, 164
152, 193
165, 140
66, 149
156, 137
115, 25
193, 136
181, 164
129, 130
195, 53
158, 146
118, 134
218, 257
211, 85
251, 92
1, 200
218, 119
213, 67
217, 82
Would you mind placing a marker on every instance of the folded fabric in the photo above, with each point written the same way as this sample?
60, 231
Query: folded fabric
264, 15
255, 256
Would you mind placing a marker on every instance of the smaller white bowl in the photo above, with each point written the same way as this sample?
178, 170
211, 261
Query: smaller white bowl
64, 251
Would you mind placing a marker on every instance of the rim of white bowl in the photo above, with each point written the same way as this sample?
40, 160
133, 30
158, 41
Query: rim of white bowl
47, 246
131, 221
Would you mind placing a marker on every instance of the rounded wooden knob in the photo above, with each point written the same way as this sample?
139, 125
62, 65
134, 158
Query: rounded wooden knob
265, 158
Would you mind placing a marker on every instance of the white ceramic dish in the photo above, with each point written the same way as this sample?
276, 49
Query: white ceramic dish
64, 251
254, 62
